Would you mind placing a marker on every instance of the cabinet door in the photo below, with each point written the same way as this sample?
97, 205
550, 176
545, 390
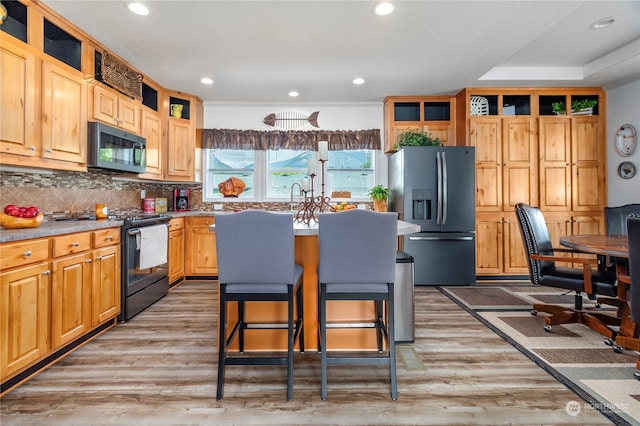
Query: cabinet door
515, 259
106, 287
442, 131
128, 115
180, 149
489, 248
555, 163
151, 130
486, 135
176, 255
201, 258
588, 189
558, 226
64, 114
17, 101
24, 317
519, 162
105, 105
70, 298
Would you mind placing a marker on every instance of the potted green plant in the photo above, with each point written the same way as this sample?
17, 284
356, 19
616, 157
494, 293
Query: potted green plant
416, 138
559, 108
583, 105
379, 194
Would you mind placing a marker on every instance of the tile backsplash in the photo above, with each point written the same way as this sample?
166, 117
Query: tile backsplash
60, 191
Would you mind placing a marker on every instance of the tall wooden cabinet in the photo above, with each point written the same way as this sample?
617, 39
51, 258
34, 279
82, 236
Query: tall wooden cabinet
527, 153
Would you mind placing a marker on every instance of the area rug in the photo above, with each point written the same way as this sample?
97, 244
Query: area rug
572, 353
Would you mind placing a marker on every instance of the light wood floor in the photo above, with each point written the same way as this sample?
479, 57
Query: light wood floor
160, 369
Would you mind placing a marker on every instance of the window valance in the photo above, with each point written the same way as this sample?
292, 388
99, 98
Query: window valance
290, 139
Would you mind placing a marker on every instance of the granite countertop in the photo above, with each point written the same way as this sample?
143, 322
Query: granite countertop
53, 228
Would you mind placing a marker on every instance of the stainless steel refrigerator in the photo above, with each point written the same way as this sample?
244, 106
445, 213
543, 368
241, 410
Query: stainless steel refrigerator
434, 187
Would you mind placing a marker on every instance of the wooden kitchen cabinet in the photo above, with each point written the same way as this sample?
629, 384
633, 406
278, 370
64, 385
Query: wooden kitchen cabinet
176, 250
433, 114
71, 288
25, 292
151, 130
53, 292
201, 257
17, 99
115, 109
499, 247
572, 164
106, 279
526, 153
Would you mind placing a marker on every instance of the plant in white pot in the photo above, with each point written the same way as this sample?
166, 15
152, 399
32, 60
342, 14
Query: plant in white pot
379, 194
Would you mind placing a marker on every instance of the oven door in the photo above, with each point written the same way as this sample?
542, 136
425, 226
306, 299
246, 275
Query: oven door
135, 279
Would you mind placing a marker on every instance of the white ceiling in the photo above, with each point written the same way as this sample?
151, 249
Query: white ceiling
257, 51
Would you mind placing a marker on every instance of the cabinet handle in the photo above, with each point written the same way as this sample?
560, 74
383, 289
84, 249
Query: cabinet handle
49, 150
76, 244
99, 258
110, 238
27, 253
32, 148
47, 272
88, 261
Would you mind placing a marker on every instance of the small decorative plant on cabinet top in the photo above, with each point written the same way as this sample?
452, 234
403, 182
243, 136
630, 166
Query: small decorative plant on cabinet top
379, 194
416, 138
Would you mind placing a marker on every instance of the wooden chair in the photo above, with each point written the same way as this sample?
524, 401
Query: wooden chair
255, 252
542, 258
629, 337
357, 260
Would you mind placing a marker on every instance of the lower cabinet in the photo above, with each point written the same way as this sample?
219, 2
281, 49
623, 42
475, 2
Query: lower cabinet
201, 258
499, 247
54, 291
176, 249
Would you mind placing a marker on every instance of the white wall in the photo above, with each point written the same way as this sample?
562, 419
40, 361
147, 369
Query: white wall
623, 107
343, 116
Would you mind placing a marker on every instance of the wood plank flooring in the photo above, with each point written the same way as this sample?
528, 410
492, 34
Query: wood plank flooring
160, 369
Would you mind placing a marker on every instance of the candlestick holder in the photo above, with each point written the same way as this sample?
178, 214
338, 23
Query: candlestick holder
312, 204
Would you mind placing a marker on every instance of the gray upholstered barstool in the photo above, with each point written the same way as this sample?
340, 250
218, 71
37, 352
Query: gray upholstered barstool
256, 264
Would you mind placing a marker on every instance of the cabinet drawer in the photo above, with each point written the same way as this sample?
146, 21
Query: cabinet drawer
23, 253
106, 237
71, 243
176, 223
201, 221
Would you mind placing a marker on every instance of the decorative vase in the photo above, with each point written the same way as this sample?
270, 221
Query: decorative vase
176, 110
379, 206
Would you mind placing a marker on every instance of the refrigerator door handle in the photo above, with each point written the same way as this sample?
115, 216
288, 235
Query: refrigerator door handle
439, 183
441, 238
445, 190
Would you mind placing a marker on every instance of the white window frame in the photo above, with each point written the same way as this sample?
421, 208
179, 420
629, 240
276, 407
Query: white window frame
261, 180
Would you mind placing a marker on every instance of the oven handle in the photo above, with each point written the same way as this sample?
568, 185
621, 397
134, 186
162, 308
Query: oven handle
136, 231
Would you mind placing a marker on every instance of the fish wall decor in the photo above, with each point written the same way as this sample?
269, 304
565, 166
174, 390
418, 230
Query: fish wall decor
291, 119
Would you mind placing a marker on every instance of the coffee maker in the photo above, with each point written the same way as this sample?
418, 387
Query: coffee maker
181, 200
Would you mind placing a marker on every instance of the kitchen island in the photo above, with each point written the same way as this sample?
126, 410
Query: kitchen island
306, 255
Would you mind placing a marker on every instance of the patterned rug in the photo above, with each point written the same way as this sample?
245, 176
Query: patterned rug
572, 353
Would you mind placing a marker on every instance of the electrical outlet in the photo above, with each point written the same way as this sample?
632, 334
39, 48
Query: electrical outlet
143, 193
217, 206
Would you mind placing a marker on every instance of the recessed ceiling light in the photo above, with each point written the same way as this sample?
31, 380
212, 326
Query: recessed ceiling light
358, 80
601, 23
206, 80
384, 8
138, 9
293, 93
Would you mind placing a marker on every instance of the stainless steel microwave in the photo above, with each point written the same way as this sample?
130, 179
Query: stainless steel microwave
115, 149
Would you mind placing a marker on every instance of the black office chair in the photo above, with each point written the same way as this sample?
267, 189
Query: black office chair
633, 294
255, 252
616, 218
357, 250
541, 258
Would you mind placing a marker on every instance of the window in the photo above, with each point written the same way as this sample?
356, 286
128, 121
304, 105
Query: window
268, 175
